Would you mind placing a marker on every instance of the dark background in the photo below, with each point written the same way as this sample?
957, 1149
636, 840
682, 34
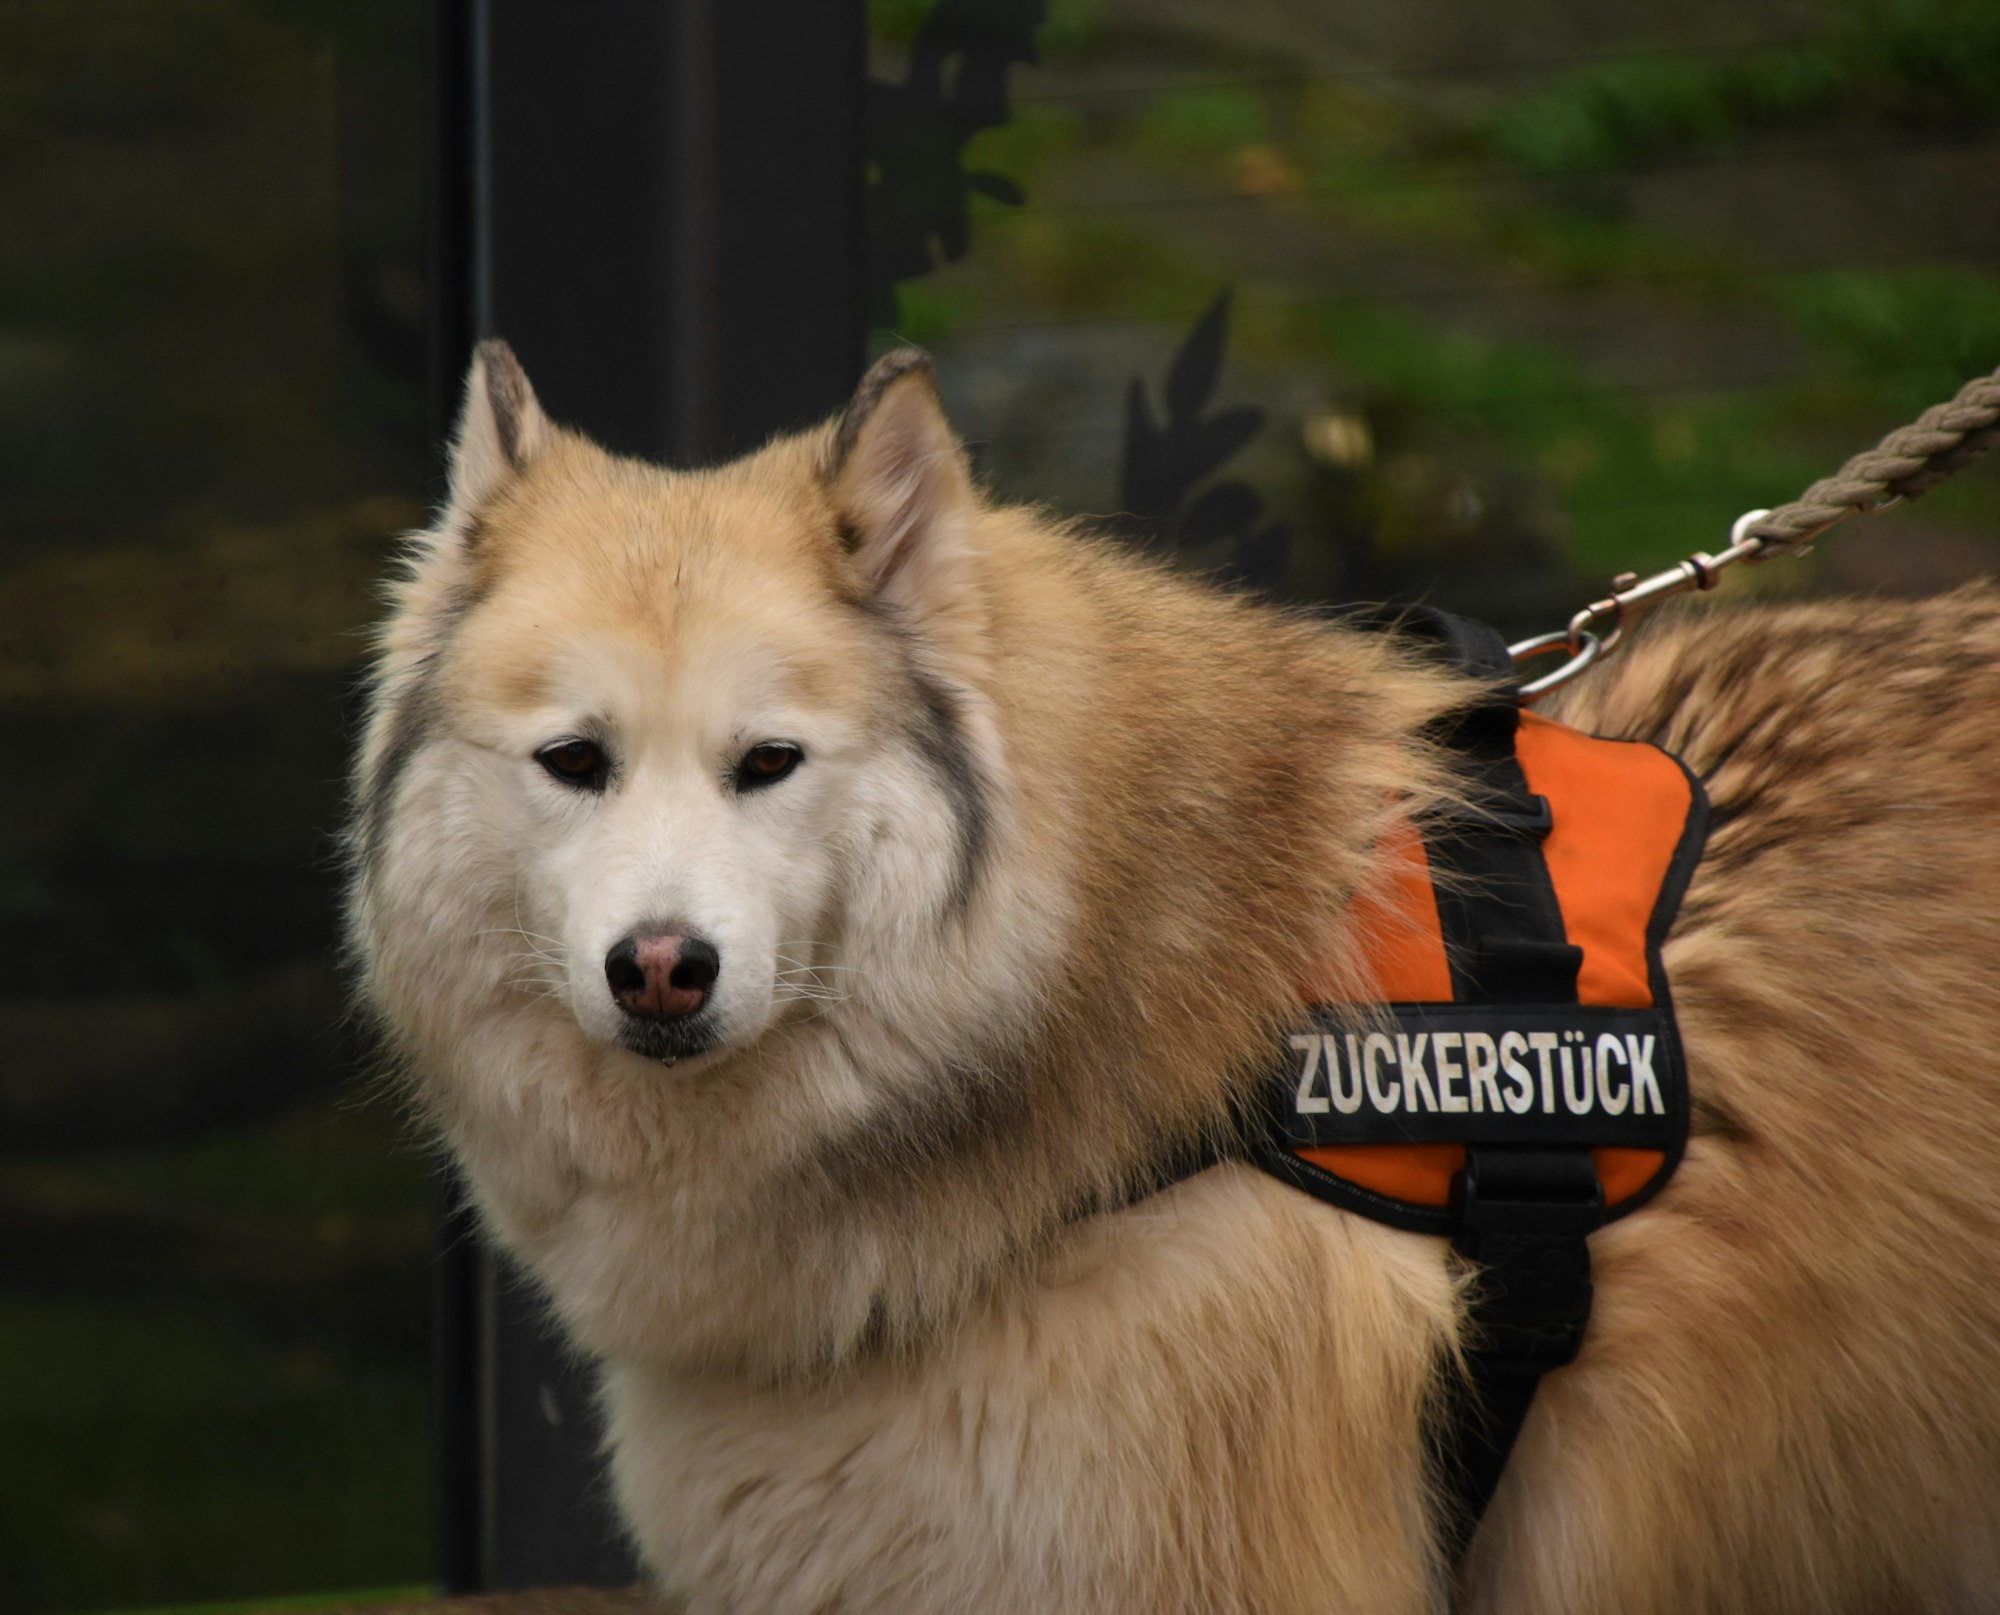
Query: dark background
1473, 304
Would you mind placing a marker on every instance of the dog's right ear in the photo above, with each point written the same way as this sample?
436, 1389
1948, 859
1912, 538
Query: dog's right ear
500, 430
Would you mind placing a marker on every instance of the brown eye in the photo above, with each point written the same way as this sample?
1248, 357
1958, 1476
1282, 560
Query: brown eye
766, 765
575, 762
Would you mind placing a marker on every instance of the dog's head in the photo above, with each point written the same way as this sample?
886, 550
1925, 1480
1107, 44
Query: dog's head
641, 740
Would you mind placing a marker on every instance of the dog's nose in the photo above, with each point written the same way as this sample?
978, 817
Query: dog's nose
662, 975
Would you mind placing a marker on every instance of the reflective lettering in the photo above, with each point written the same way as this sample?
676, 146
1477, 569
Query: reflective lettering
1577, 1070
1520, 1082
1544, 1045
1608, 1049
1309, 1103
1576, 1095
1384, 1096
1449, 1071
1644, 1082
1482, 1060
1347, 1094
1416, 1080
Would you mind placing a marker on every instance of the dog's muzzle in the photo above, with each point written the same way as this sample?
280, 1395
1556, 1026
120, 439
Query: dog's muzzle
663, 978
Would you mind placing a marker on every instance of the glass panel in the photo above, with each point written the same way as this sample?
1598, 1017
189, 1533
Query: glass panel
1482, 305
213, 1243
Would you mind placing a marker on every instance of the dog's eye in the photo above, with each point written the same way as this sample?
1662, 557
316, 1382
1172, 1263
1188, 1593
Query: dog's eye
766, 765
575, 762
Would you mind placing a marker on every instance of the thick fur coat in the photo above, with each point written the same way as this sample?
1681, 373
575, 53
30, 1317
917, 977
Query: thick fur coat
886, 1319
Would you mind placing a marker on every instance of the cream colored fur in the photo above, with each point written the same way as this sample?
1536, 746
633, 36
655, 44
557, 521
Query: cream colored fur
1069, 836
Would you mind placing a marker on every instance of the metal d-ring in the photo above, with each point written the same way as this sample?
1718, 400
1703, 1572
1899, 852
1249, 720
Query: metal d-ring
1582, 649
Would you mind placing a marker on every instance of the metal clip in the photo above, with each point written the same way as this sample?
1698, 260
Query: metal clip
1548, 645
1602, 626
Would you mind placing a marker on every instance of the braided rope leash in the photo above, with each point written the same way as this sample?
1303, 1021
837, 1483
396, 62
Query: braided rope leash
1906, 464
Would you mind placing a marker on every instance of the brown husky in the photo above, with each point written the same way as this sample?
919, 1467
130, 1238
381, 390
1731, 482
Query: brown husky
812, 902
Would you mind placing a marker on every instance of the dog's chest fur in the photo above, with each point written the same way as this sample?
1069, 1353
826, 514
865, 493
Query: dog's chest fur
1113, 1435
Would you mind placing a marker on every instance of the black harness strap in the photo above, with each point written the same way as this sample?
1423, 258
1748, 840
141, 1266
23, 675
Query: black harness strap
1524, 1214
1520, 1211
1528, 1214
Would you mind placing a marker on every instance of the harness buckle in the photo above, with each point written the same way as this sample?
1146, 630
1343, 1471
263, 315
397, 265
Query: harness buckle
1525, 1216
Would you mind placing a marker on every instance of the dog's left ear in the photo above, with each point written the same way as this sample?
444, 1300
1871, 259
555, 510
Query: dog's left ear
900, 487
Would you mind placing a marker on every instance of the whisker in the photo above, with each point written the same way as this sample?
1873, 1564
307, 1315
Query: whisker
515, 930
557, 958
817, 1012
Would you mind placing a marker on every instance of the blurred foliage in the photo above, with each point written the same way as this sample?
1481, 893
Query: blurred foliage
1035, 137
917, 191
1100, 264
1634, 473
1910, 335
1207, 121
1915, 65
1379, 164
1556, 374
926, 314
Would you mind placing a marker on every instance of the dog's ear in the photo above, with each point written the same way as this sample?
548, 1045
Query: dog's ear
500, 429
900, 487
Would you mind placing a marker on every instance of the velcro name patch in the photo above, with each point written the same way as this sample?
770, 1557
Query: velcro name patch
1482, 1074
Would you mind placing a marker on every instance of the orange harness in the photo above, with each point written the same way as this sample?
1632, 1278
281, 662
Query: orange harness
1620, 816
1520, 1081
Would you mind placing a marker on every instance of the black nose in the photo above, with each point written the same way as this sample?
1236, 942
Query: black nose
662, 975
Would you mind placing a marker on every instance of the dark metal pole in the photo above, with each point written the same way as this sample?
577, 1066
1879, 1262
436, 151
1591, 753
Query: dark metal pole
455, 1275
659, 206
